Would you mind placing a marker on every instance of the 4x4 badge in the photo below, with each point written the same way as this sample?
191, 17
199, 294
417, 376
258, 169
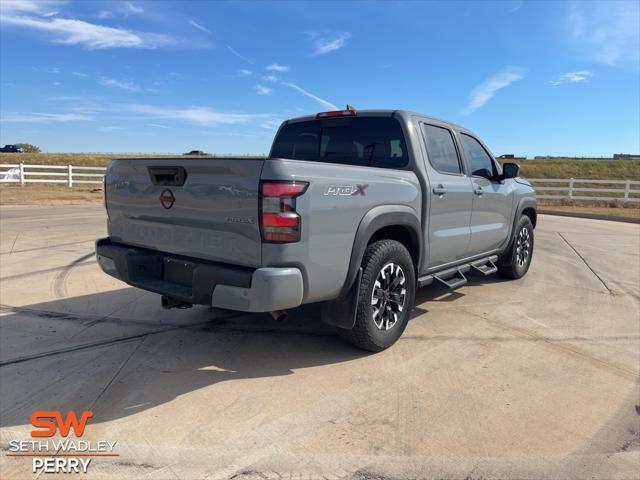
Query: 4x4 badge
167, 198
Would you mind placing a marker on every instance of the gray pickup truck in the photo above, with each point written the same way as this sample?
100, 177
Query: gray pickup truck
351, 209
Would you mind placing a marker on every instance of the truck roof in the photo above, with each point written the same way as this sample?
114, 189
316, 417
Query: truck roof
382, 112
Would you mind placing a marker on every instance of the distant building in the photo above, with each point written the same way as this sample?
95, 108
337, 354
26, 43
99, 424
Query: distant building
625, 156
506, 156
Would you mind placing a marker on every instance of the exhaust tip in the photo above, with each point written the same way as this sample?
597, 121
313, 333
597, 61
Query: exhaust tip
279, 316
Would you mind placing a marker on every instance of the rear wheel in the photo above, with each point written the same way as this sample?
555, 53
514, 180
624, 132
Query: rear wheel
387, 291
515, 263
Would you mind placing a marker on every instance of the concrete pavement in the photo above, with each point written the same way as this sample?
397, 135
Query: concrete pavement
536, 378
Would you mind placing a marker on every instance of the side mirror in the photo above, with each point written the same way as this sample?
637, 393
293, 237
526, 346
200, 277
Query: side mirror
483, 172
510, 170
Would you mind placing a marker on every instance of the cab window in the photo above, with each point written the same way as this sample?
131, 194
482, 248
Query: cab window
480, 162
441, 150
365, 141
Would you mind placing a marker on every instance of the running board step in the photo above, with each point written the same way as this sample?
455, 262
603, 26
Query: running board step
485, 269
453, 282
482, 266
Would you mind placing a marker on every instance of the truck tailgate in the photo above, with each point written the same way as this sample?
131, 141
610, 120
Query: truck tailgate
205, 208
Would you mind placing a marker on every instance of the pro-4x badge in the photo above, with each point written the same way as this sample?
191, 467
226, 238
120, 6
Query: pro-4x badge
167, 199
346, 190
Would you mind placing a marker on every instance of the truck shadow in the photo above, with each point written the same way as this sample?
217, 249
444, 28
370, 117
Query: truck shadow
56, 356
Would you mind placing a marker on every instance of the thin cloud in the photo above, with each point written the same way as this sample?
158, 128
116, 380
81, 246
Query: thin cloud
484, 92
28, 6
197, 115
125, 10
270, 78
274, 67
132, 9
157, 125
271, 124
321, 101
199, 27
608, 32
241, 57
112, 82
28, 117
79, 74
65, 31
245, 73
572, 77
323, 45
262, 90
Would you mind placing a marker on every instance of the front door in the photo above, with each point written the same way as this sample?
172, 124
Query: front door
492, 198
450, 198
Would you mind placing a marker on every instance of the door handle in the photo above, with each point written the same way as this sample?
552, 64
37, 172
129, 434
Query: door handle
478, 191
439, 189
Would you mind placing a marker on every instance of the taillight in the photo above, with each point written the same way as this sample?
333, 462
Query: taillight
279, 222
337, 113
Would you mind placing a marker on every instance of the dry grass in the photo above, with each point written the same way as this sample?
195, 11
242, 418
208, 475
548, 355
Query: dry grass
614, 212
38, 194
88, 159
588, 169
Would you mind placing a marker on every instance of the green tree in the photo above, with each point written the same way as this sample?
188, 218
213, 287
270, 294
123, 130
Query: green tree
28, 148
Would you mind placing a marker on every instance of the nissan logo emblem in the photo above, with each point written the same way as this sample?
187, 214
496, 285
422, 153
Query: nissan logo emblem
167, 199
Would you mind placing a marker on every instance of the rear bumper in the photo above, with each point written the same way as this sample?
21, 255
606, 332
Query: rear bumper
202, 282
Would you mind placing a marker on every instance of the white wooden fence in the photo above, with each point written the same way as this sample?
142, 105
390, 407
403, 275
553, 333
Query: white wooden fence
625, 191
68, 174
575, 189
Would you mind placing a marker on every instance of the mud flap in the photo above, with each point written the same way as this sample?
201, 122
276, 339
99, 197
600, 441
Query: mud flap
341, 313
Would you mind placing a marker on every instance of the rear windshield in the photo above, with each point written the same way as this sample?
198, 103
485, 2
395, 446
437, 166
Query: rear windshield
365, 141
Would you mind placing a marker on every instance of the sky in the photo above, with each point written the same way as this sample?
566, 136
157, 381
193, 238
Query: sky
530, 78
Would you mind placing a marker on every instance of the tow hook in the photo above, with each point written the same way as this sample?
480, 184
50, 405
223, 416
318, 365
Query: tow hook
169, 302
279, 316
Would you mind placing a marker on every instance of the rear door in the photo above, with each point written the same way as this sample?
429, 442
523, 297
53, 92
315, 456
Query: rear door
492, 199
450, 198
204, 208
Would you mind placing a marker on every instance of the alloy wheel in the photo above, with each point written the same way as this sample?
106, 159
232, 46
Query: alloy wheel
389, 296
523, 247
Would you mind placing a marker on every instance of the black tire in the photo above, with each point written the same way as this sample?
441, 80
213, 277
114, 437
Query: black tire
367, 334
513, 264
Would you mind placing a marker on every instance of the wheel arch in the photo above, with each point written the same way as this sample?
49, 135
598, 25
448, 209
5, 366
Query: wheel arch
395, 222
526, 206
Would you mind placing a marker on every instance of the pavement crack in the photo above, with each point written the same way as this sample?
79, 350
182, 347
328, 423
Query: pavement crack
612, 292
14, 243
115, 375
85, 346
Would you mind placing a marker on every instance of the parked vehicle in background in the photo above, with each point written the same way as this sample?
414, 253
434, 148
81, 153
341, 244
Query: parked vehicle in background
352, 209
13, 174
11, 149
196, 152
